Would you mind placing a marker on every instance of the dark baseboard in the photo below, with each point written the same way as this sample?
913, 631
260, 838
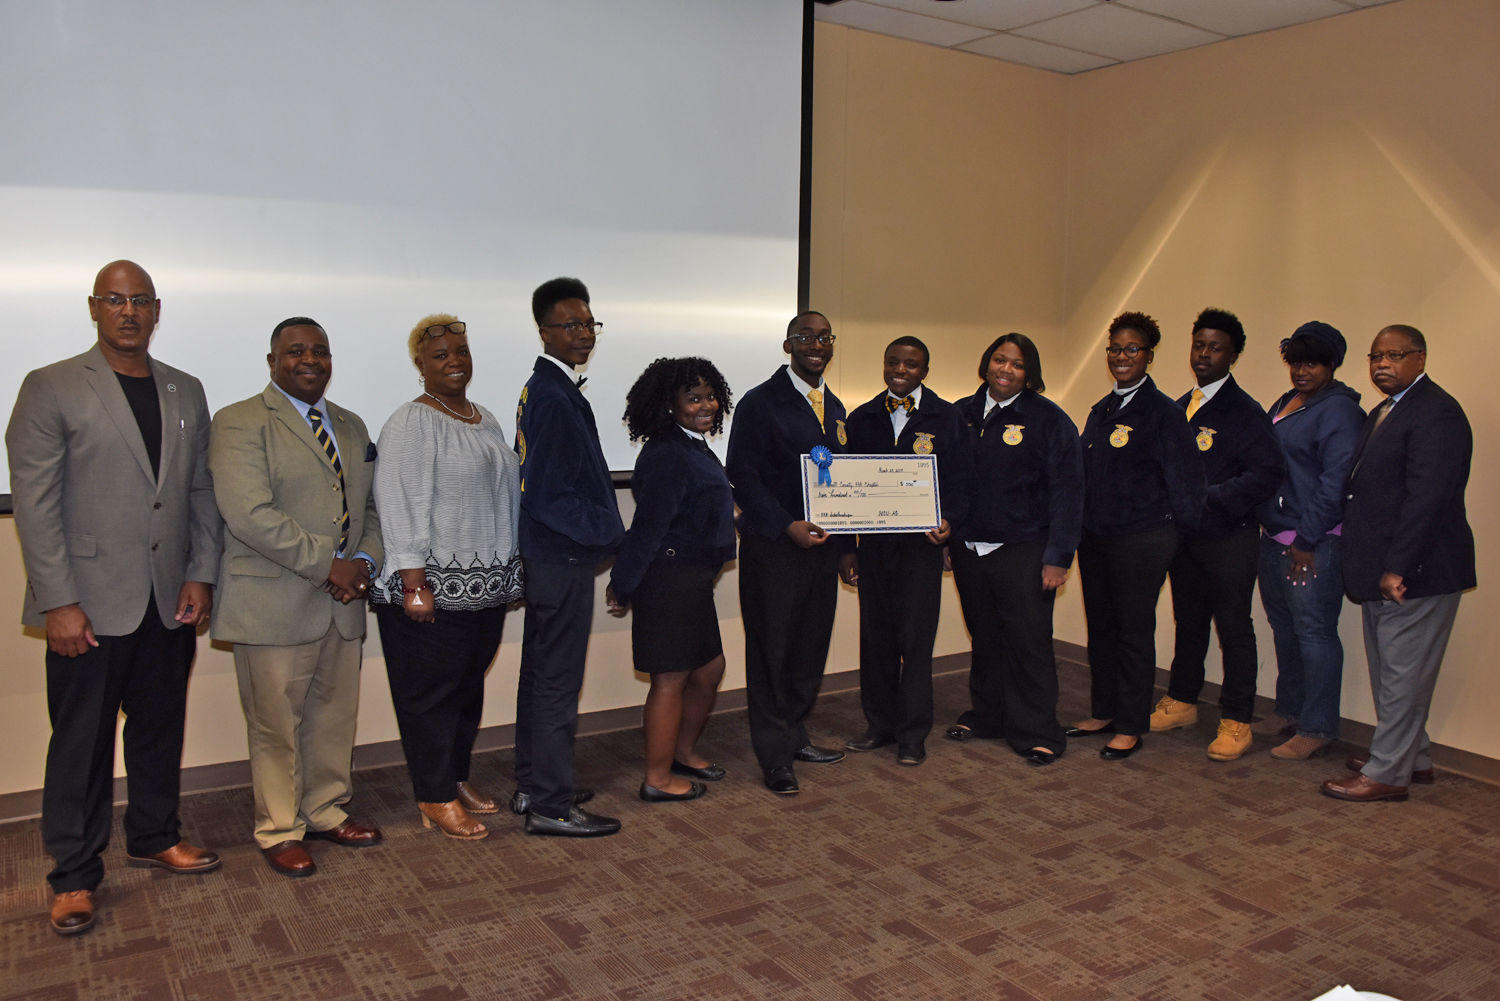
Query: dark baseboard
27, 803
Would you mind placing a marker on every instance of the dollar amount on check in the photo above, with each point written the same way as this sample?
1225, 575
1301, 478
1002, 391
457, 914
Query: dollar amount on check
872, 493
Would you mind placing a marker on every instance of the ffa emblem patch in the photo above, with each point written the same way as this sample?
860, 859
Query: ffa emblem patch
1012, 435
1205, 439
923, 444
840, 433
1120, 436
520, 446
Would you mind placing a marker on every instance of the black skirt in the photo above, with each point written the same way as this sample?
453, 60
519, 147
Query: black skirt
674, 625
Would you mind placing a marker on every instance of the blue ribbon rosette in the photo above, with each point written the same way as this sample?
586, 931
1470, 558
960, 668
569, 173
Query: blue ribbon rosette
823, 459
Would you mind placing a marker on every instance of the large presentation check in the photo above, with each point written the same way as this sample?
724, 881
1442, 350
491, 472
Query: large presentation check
871, 493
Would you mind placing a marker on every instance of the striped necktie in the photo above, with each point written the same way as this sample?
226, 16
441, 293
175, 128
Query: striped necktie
815, 397
321, 433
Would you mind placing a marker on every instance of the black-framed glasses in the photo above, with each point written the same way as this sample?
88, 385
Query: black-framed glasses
117, 301
823, 339
1129, 350
1376, 357
439, 329
576, 327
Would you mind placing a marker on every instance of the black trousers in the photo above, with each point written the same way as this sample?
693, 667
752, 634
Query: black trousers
1213, 580
1013, 669
900, 594
787, 599
145, 674
1122, 577
436, 670
554, 644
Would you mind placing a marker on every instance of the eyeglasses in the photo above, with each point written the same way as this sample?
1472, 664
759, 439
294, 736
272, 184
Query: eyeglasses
1376, 357
117, 301
823, 339
439, 329
576, 327
1129, 350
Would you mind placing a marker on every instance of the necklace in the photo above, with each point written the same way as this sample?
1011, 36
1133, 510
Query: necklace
473, 410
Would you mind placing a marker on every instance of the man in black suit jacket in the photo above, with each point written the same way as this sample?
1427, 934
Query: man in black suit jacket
788, 570
1213, 573
1408, 556
900, 575
569, 524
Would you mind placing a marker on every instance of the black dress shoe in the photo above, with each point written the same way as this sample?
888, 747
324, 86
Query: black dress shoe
815, 755
1120, 753
869, 742
577, 824
911, 754
651, 794
1038, 759
1074, 731
782, 781
520, 802
708, 773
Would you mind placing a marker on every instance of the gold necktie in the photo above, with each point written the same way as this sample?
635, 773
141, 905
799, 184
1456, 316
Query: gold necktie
815, 397
1195, 402
321, 433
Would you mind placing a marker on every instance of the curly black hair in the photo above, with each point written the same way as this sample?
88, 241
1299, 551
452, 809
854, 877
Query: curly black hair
1140, 323
649, 404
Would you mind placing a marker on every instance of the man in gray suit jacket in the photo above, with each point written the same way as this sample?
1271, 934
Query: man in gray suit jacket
293, 475
115, 512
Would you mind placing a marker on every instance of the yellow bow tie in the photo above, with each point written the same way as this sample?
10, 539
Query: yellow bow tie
905, 403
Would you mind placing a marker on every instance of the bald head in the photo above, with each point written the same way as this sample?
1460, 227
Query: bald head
116, 272
124, 309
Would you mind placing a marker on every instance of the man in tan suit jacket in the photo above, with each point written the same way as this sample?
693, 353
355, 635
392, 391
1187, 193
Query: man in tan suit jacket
293, 475
115, 512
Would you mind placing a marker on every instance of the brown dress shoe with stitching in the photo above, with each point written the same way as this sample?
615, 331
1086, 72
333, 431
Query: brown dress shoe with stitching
290, 859
351, 834
475, 801
182, 858
72, 912
1361, 789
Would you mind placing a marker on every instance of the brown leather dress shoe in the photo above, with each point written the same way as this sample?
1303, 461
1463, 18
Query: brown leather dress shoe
72, 912
182, 858
475, 801
453, 820
351, 834
1361, 789
290, 859
1422, 776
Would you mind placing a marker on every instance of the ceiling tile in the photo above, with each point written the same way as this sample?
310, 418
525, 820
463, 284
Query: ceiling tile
901, 23
1114, 31
997, 14
1029, 52
1240, 18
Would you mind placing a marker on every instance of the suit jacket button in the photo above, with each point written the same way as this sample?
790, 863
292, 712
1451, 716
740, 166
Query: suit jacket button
156, 506
154, 546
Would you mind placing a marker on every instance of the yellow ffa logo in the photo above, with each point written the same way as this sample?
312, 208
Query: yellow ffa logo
1205, 439
1120, 436
520, 446
840, 433
1012, 435
923, 444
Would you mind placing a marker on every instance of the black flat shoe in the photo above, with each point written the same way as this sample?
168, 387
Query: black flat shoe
960, 732
1039, 759
782, 781
1074, 731
911, 754
818, 755
651, 794
520, 802
708, 773
1120, 753
869, 743
577, 824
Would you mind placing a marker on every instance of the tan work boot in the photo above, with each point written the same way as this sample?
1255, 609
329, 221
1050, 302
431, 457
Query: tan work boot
1300, 748
1171, 714
1233, 740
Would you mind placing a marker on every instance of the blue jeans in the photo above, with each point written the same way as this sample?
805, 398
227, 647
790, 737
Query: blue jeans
1305, 621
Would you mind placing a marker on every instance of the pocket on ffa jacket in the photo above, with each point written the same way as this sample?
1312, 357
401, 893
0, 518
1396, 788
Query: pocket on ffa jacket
253, 566
83, 545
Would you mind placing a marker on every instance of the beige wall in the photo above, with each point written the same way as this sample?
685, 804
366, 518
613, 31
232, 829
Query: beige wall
1343, 170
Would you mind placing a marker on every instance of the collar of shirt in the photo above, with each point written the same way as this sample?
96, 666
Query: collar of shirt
1397, 398
915, 394
990, 403
1212, 388
693, 434
303, 408
568, 369
1127, 393
802, 386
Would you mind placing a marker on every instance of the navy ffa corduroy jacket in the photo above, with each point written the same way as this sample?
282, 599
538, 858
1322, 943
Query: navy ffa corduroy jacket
933, 428
568, 509
1241, 459
1141, 468
1028, 475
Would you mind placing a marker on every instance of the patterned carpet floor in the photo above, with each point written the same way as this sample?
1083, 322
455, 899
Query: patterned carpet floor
1165, 877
